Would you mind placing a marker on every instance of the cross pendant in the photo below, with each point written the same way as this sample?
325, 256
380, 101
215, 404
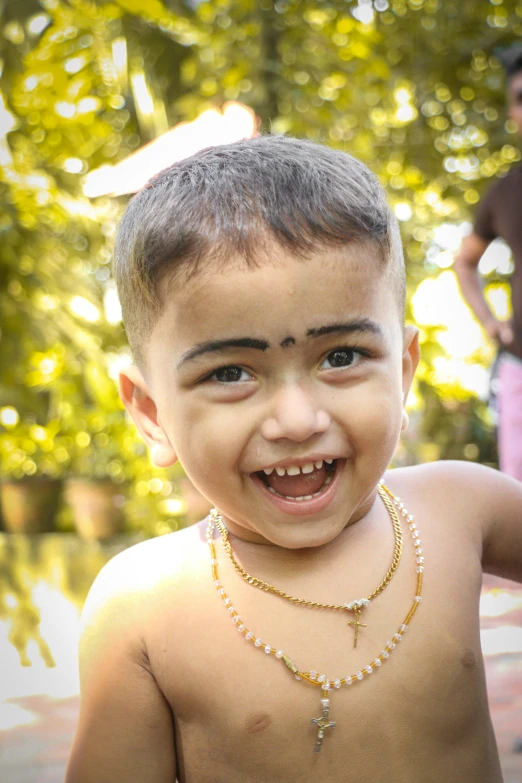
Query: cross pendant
356, 625
322, 724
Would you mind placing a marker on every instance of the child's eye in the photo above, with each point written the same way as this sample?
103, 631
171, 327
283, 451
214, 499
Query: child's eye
231, 374
341, 357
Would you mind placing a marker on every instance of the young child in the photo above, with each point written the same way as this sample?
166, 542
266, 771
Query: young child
315, 627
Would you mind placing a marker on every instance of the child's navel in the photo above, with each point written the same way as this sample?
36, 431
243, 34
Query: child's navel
257, 722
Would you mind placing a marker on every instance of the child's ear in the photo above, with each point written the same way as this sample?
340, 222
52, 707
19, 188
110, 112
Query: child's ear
142, 409
410, 358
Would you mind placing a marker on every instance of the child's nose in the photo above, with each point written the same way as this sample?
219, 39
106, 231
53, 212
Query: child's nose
294, 415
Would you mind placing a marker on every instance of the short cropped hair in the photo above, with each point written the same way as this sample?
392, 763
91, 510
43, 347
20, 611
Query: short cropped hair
234, 200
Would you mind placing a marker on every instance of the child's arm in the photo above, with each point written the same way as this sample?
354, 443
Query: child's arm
483, 503
125, 730
488, 503
501, 497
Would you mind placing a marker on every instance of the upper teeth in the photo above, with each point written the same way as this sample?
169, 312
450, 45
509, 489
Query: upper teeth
295, 470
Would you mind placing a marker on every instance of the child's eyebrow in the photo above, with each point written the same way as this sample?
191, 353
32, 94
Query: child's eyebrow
347, 327
220, 345
215, 346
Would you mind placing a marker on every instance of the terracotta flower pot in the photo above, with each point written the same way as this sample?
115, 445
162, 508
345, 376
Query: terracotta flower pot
97, 507
29, 505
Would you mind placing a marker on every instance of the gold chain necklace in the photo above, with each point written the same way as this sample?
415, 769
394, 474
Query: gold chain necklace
354, 606
322, 681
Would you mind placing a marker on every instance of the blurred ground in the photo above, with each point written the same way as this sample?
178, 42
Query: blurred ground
39, 707
501, 636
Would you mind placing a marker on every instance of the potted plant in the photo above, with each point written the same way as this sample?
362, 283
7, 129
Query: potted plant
103, 464
33, 460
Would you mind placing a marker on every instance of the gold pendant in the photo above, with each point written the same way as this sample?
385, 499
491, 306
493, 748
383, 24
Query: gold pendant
322, 724
356, 625
357, 607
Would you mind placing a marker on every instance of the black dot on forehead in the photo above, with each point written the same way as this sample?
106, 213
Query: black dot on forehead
288, 341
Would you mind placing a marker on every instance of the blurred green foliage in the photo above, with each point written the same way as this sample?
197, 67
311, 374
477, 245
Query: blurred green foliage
412, 87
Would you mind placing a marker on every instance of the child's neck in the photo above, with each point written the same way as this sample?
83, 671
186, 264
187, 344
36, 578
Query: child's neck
263, 554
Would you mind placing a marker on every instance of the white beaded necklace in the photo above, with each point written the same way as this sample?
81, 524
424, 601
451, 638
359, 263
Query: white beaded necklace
312, 677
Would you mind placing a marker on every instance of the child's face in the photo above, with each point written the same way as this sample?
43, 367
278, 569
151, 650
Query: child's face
290, 364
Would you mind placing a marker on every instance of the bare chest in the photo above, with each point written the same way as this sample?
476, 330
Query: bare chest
241, 713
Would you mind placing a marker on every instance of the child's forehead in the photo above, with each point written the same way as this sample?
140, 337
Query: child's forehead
280, 290
358, 264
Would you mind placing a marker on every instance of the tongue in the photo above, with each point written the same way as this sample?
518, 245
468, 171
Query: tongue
297, 486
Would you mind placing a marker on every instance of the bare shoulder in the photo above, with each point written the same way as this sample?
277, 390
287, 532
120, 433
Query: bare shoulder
125, 730
134, 577
472, 486
138, 594
116, 615
482, 501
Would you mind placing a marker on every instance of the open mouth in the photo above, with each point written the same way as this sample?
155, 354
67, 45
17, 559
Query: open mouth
299, 482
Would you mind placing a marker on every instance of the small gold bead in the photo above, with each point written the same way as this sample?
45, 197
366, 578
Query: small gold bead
289, 664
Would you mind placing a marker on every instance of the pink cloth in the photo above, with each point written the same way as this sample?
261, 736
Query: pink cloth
510, 417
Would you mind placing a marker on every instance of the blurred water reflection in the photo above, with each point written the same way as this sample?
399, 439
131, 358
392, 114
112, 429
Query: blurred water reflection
44, 581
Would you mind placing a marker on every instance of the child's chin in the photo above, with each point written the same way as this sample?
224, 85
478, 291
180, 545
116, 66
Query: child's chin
303, 536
